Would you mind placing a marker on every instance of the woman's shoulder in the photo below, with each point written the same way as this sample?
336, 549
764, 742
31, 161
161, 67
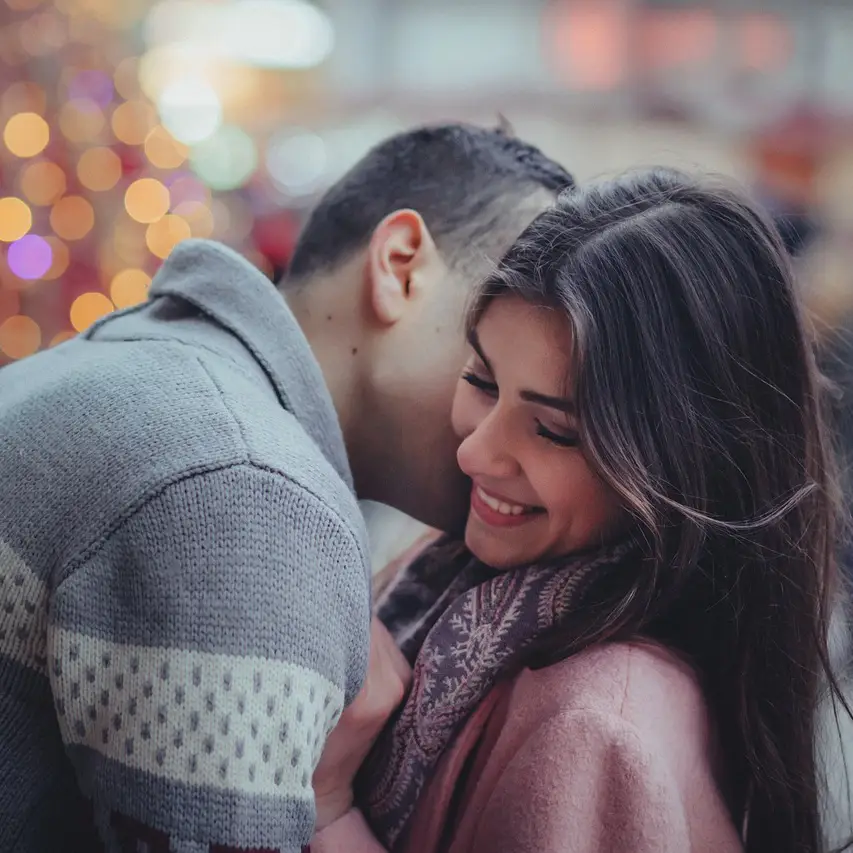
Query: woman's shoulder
644, 684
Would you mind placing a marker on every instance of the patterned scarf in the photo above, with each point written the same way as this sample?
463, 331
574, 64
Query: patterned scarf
462, 626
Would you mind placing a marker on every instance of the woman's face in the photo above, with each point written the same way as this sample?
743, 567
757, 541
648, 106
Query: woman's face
534, 495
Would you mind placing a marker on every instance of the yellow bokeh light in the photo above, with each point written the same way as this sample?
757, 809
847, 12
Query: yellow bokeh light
72, 217
163, 150
62, 337
147, 200
20, 336
26, 134
133, 121
16, 219
164, 235
88, 308
81, 120
43, 182
198, 216
99, 169
129, 287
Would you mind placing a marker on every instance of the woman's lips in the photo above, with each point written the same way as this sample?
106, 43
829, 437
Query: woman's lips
498, 512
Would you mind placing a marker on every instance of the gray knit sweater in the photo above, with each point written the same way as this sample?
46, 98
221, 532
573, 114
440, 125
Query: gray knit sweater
184, 597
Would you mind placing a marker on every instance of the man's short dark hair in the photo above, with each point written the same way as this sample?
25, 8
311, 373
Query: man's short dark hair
470, 184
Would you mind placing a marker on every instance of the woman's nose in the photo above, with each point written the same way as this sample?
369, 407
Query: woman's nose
486, 451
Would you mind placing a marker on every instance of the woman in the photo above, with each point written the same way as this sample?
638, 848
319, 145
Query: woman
629, 650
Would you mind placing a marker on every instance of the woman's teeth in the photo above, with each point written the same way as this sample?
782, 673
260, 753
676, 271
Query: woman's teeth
500, 506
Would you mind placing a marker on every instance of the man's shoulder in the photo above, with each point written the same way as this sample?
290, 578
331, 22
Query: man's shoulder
115, 422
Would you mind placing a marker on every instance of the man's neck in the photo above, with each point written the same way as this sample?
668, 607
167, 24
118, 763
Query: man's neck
327, 310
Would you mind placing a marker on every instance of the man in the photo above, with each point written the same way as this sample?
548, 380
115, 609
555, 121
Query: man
183, 567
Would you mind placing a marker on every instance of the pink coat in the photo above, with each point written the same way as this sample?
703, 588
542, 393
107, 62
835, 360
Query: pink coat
610, 750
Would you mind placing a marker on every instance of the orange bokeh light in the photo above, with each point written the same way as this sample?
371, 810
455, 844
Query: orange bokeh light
43, 182
133, 121
81, 120
72, 217
26, 134
88, 308
62, 337
129, 287
147, 200
162, 236
163, 150
16, 219
99, 169
20, 336
61, 258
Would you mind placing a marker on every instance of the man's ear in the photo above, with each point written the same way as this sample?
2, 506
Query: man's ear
399, 249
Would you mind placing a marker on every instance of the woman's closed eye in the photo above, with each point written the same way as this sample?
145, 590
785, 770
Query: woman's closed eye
481, 384
490, 389
561, 440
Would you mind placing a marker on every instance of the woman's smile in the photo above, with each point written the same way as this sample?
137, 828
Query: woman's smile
497, 511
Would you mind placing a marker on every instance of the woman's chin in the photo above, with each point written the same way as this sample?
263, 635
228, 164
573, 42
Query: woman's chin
490, 551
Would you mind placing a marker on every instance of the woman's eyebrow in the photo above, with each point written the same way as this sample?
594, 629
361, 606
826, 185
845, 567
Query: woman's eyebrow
562, 404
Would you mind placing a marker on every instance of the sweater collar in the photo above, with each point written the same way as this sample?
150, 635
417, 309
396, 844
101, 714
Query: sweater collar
238, 297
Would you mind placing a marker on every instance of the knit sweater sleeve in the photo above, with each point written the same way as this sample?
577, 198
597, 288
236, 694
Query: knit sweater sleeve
200, 654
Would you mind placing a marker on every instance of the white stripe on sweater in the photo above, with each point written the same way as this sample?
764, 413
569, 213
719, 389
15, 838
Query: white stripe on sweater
250, 725
23, 612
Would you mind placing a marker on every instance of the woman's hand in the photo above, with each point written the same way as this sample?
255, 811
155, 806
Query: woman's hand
388, 679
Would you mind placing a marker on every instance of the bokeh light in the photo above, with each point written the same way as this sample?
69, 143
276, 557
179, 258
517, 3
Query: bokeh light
227, 160
147, 200
187, 187
297, 162
43, 34
162, 236
16, 219
129, 241
190, 110
60, 259
62, 337
81, 120
126, 78
43, 182
92, 85
198, 216
132, 121
26, 134
129, 287
23, 97
30, 257
88, 308
72, 217
99, 169
163, 150
20, 336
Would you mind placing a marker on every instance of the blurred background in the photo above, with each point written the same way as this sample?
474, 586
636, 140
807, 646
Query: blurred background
127, 126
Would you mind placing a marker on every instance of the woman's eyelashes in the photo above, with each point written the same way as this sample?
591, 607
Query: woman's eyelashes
490, 389
484, 385
557, 438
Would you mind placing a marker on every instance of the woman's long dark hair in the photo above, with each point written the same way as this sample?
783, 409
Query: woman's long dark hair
700, 404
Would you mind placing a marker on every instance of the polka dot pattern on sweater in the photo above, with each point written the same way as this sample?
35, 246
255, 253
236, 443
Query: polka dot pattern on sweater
251, 725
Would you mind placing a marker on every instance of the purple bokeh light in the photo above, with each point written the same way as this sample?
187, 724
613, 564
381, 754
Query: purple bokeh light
30, 257
93, 86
